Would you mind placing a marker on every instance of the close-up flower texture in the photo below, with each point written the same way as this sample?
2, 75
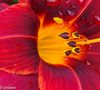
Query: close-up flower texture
49, 44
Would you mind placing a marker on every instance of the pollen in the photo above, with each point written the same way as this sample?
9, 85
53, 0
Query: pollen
58, 20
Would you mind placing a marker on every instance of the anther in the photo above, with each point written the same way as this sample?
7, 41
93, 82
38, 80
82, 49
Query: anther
76, 50
75, 35
64, 35
58, 20
68, 52
72, 43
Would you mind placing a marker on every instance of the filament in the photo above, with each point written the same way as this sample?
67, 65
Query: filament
87, 42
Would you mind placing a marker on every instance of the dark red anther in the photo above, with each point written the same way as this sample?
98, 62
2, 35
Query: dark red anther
77, 50
68, 52
76, 34
64, 35
72, 43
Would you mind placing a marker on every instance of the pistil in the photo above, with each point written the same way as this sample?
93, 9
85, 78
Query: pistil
87, 42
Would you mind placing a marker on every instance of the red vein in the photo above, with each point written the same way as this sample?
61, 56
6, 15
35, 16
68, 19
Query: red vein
17, 36
71, 22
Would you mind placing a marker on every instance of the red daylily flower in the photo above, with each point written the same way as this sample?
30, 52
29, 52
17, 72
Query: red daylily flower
54, 45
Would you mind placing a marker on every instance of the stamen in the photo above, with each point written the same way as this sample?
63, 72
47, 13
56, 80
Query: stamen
58, 20
68, 52
64, 35
72, 43
75, 35
87, 42
76, 50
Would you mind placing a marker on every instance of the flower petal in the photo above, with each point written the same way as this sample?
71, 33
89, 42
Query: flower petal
57, 78
18, 82
89, 22
3, 6
90, 79
39, 6
93, 57
18, 54
69, 10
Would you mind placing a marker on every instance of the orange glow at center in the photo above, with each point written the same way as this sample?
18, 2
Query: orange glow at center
52, 47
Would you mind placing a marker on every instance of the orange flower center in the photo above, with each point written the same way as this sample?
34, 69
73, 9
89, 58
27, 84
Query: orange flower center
57, 43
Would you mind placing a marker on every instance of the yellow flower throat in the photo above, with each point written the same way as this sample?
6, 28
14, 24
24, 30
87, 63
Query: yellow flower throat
57, 43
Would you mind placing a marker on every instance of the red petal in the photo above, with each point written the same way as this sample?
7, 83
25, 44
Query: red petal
18, 55
57, 78
89, 23
69, 10
21, 1
18, 82
53, 2
3, 6
66, 9
93, 57
90, 80
39, 6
